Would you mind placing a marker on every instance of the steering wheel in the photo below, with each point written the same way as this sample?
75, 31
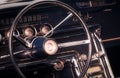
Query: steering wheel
37, 39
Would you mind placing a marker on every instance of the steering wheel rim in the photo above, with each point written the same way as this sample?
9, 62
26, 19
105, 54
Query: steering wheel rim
60, 4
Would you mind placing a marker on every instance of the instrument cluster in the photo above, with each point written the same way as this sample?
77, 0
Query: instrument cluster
26, 31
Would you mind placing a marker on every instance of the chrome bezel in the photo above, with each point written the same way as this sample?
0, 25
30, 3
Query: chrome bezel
47, 25
33, 29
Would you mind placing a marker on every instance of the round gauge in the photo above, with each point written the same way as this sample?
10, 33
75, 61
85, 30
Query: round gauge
29, 31
45, 29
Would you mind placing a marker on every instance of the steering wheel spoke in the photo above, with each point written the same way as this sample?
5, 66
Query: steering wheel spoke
73, 43
60, 23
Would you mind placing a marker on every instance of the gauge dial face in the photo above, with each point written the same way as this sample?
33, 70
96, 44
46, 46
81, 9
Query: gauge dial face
29, 32
45, 29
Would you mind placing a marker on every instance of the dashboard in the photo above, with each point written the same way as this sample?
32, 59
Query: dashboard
39, 27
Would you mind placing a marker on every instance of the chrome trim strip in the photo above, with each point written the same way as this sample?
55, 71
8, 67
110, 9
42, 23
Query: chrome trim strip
73, 43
